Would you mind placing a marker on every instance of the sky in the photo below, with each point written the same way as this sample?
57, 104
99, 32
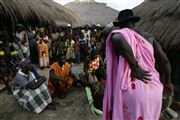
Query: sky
116, 4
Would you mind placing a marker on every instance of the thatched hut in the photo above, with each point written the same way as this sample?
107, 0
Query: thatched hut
92, 12
162, 19
33, 11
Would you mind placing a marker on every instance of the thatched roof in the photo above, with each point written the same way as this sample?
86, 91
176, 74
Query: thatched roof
92, 12
35, 10
162, 19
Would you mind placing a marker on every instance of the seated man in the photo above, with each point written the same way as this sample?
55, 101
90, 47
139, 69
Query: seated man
31, 93
61, 77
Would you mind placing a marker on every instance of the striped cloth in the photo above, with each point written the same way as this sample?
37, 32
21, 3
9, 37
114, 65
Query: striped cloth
32, 100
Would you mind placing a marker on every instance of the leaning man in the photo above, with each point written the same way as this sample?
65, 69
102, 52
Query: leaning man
31, 93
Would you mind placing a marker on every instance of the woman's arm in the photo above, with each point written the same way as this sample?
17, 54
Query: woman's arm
162, 61
122, 48
164, 64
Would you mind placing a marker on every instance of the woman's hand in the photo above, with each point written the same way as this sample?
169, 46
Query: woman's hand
140, 74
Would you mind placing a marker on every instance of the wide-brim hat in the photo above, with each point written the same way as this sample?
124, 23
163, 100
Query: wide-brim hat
125, 15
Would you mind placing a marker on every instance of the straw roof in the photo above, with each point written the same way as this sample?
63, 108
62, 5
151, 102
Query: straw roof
92, 12
162, 19
41, 10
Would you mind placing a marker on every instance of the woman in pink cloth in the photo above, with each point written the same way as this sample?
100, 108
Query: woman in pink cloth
133, 89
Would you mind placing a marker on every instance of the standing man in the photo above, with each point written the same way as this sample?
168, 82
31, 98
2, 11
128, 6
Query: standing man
133, 89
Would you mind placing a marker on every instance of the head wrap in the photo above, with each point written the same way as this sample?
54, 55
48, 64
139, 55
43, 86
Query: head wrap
2, 53
24, 63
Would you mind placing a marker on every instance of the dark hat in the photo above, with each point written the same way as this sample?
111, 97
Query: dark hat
124, 16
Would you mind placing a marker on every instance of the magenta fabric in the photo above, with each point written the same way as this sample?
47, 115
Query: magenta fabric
126, 100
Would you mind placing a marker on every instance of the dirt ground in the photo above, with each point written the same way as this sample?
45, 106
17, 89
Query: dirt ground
73, 107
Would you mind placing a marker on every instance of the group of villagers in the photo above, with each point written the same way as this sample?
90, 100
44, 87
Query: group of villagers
31, 91
56, 51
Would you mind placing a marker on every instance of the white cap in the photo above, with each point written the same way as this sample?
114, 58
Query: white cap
68, 25
98, 25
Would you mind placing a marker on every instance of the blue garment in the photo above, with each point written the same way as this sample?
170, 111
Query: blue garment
34, 71
32, 41
77, 57
20, 80
82, 42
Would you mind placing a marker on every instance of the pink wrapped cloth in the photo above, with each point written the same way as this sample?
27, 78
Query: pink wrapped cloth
124, 99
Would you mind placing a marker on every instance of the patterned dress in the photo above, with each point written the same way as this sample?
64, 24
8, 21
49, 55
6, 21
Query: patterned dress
42, 46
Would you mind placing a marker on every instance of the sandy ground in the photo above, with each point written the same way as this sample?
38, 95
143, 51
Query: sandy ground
73, 107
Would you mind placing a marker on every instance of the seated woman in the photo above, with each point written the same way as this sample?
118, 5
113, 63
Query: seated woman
31, 93
61, 77
95, 73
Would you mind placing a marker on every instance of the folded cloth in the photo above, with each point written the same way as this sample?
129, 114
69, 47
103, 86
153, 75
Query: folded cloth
90, 101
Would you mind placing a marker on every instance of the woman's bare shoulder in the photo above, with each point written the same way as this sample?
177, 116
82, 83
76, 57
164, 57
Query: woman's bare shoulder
149, 37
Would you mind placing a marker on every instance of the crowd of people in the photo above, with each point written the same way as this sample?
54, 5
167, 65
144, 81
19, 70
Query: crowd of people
56, 48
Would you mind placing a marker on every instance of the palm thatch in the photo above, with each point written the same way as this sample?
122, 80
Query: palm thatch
41, 10
162, 19
92, 12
